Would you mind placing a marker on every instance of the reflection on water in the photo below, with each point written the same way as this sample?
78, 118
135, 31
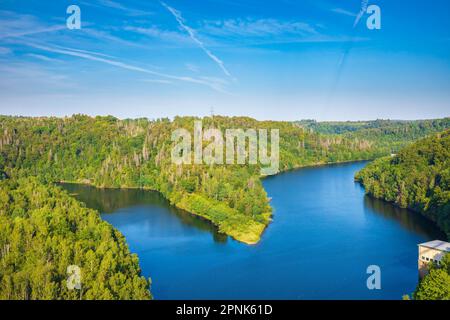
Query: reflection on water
412, 221
111, 200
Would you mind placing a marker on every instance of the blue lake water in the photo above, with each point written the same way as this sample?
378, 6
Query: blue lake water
324, 235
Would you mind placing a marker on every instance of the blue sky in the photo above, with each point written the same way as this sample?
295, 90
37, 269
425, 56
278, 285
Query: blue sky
281, 60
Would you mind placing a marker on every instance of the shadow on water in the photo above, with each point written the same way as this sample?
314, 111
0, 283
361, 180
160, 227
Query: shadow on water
410, 220
108, 201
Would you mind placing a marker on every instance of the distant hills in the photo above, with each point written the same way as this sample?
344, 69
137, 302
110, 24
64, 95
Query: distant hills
387, 135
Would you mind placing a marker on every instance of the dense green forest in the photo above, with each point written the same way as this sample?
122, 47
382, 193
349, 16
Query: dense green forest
43, 231
108, 152
388, 136
418, 178
435, 285
38, 217
410, 128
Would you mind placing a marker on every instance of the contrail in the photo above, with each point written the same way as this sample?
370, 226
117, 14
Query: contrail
348, 47
194, 38
90, 56
364, 4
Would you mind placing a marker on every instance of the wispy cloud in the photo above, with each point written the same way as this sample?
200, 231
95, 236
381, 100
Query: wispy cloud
251, 32
41, 57
344, 12
257, 27
14, 25
127, 10
157, 33
192, 67
5, 50
107, 37
216, 85
28, 77
194, 38
260, 32
85, 51
161, 81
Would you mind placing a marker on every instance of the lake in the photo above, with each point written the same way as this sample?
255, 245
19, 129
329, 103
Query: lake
324, 235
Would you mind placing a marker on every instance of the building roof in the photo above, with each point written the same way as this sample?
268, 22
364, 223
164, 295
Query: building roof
437, 244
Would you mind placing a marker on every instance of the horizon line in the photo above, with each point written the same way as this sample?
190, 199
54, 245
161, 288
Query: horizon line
172, 118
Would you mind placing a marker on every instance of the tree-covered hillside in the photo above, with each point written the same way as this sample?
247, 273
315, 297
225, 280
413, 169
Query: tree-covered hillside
108, 152
418, 177
43, 231
386, 135
411, 127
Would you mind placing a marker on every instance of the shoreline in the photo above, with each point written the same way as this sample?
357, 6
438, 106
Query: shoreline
317, 165
394, 204
249, 238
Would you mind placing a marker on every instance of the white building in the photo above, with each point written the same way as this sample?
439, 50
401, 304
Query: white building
432, 251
